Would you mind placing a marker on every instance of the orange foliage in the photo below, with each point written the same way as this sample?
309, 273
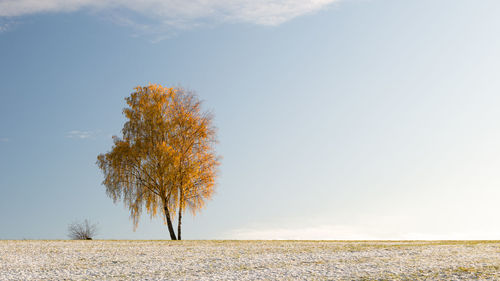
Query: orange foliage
166, 158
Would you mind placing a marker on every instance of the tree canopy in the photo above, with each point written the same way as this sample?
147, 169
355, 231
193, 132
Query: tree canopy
165, 160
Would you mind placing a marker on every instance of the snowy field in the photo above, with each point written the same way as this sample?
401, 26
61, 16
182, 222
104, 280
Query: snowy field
249, 260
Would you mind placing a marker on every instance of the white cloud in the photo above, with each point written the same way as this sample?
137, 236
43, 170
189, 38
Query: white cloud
4, 139
350, 232
320, 232
175, 13
366, 228
80, 134
4, 27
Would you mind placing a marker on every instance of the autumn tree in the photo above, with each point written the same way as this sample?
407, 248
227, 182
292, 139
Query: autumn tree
165, 160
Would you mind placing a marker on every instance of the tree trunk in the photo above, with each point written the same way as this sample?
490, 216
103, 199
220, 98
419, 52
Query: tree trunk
179, 224
169, 224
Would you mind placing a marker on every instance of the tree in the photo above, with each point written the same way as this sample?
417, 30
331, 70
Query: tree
82, 230
165, 160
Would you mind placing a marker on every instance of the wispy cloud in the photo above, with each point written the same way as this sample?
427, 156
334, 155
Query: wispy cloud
6, 24
350, 232
369, 228
4, 139
161, 14
319, 232
4, 27
75, 134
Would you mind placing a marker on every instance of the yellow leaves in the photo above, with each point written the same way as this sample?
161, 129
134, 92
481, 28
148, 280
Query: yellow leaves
166, 157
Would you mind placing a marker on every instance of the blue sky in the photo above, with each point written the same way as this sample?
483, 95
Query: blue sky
337, 119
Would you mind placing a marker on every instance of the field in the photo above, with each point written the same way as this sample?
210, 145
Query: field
249, 260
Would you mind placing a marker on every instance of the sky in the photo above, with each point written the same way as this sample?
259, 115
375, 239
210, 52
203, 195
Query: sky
348, 119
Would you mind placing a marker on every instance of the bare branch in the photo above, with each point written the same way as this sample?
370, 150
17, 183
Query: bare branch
82, 230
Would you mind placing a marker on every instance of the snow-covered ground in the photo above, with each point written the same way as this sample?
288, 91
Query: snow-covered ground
249, 260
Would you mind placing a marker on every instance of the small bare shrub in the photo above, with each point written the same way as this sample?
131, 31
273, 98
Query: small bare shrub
82, 230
